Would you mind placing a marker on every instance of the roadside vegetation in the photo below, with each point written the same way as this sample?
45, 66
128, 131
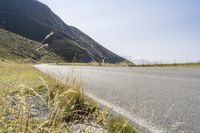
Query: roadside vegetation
99, 64
32, 102
170, 65
129, 64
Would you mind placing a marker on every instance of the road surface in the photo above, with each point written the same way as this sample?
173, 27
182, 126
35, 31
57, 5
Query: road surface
161, 99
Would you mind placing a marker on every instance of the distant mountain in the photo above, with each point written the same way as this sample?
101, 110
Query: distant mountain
15, 47
34, 20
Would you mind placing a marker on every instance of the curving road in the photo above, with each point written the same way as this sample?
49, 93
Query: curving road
159, 99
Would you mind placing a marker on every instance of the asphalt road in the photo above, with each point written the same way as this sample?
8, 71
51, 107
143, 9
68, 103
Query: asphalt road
166, 98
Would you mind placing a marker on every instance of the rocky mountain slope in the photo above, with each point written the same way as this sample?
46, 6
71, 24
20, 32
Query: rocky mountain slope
35, 20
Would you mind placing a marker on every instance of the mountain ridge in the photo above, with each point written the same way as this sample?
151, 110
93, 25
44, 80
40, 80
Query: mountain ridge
35, 20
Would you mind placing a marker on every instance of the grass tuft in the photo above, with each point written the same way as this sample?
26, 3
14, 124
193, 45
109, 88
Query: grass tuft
31, 102
119, 125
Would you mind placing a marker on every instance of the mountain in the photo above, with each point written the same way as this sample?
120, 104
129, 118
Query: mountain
34, 20
15, 47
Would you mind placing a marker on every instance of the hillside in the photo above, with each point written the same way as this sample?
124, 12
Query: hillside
34, 20
15, 47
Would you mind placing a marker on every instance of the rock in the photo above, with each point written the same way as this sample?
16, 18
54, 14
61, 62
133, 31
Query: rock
80, 128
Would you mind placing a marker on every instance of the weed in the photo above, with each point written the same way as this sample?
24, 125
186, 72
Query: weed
119, 125
33, 102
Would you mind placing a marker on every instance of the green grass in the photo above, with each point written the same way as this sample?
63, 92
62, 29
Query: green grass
20, 49
119, 125
23, 90
171, 65
20, 82
122, 64
126, 64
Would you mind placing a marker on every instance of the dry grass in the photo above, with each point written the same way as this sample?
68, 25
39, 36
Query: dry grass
122, 64
31, 102
24, 91
196, 65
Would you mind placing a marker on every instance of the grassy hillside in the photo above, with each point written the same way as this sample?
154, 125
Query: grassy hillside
15, 47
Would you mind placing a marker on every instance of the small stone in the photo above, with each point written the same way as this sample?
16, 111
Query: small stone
79, 128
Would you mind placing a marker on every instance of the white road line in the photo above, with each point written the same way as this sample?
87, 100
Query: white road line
137, 120
134, 118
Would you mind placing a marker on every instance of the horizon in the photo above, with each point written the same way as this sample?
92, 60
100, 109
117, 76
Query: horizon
164, 31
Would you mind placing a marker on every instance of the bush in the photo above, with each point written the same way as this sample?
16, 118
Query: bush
119, 125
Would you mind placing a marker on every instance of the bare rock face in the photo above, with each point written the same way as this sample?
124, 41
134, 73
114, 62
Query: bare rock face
34, 20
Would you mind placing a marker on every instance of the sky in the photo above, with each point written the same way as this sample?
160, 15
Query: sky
156, 30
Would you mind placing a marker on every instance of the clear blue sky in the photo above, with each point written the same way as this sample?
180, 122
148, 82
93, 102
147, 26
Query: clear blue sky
165, 30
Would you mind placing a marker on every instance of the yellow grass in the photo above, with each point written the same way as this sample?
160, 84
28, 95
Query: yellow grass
58, 107
97, 64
